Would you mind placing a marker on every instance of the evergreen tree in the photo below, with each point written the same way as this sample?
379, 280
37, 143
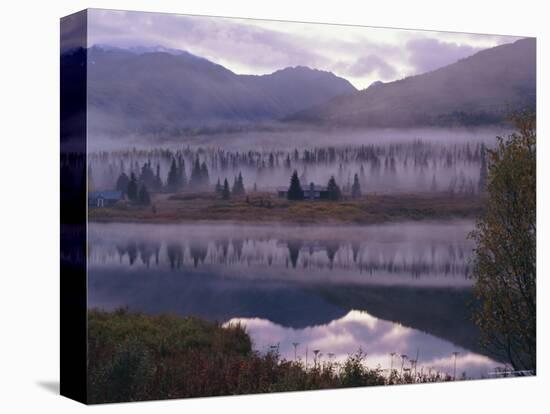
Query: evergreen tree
333, 190
173, 180
241, 184
181, 173
122, 183
234, 189
219, 187
143, 196
238, 186
132, 190
158, 181
356, 188
204, 177
295, 191
225, 192
147, 176
195, 182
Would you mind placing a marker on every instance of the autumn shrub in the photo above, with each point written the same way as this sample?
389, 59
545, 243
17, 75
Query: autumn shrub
133, 356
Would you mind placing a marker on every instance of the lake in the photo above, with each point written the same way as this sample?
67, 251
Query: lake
399, 292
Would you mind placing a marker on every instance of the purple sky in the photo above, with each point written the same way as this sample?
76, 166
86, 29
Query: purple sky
360, 54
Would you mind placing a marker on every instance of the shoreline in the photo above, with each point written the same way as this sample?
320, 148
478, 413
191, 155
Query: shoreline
262, 208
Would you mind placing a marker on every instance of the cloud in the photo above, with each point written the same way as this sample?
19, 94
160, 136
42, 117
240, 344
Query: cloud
231, 42
360, 54
372, 64
429, 54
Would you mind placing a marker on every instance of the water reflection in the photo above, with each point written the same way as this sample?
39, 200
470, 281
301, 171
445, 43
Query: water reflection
387, 288
392, 254
378, 338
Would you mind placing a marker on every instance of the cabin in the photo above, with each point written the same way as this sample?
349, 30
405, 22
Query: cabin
104, 198
311, 192
315, 192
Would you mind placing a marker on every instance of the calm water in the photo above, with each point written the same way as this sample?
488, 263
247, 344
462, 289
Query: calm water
399, 288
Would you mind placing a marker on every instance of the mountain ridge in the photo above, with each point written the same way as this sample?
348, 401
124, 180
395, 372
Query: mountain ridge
481, 89
156, 90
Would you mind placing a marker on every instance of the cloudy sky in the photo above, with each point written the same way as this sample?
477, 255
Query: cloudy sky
360, 54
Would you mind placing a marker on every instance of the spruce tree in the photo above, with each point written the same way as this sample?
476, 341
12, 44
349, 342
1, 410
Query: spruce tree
196, 179
226, 194
173, 182
295, 191
287, 162
238, 186
356, 187
122, 183
333, 190
158, 180
132, 190
144, 197
204, 177
147, 176
234, 187
241, 184
182, 177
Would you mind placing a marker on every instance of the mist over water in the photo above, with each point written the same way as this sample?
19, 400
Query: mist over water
429, 254
399, 287
385, 288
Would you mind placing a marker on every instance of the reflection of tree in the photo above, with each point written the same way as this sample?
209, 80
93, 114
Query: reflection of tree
224, 245
198, 252
146, 251
332, 247
238, 247
355, 246
121, 250
294, 247
157, 253
132, 252
448, 259
175, 255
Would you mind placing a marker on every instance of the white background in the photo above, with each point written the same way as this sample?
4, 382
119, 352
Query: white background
29, 206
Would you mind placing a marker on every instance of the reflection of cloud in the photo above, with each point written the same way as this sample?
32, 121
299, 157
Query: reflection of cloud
377, 337
360, 54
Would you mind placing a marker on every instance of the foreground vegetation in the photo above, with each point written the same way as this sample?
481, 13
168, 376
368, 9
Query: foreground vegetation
505, 263
265, 207
135, 357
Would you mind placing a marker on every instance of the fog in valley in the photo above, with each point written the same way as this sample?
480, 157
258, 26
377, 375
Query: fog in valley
386, 161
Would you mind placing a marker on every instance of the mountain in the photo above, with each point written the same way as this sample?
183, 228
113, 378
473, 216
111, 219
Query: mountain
150, 90
479, 90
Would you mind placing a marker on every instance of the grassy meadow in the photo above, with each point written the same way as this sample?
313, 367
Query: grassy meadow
265, 207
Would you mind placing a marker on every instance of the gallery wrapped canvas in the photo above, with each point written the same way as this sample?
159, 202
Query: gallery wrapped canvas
252, 206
